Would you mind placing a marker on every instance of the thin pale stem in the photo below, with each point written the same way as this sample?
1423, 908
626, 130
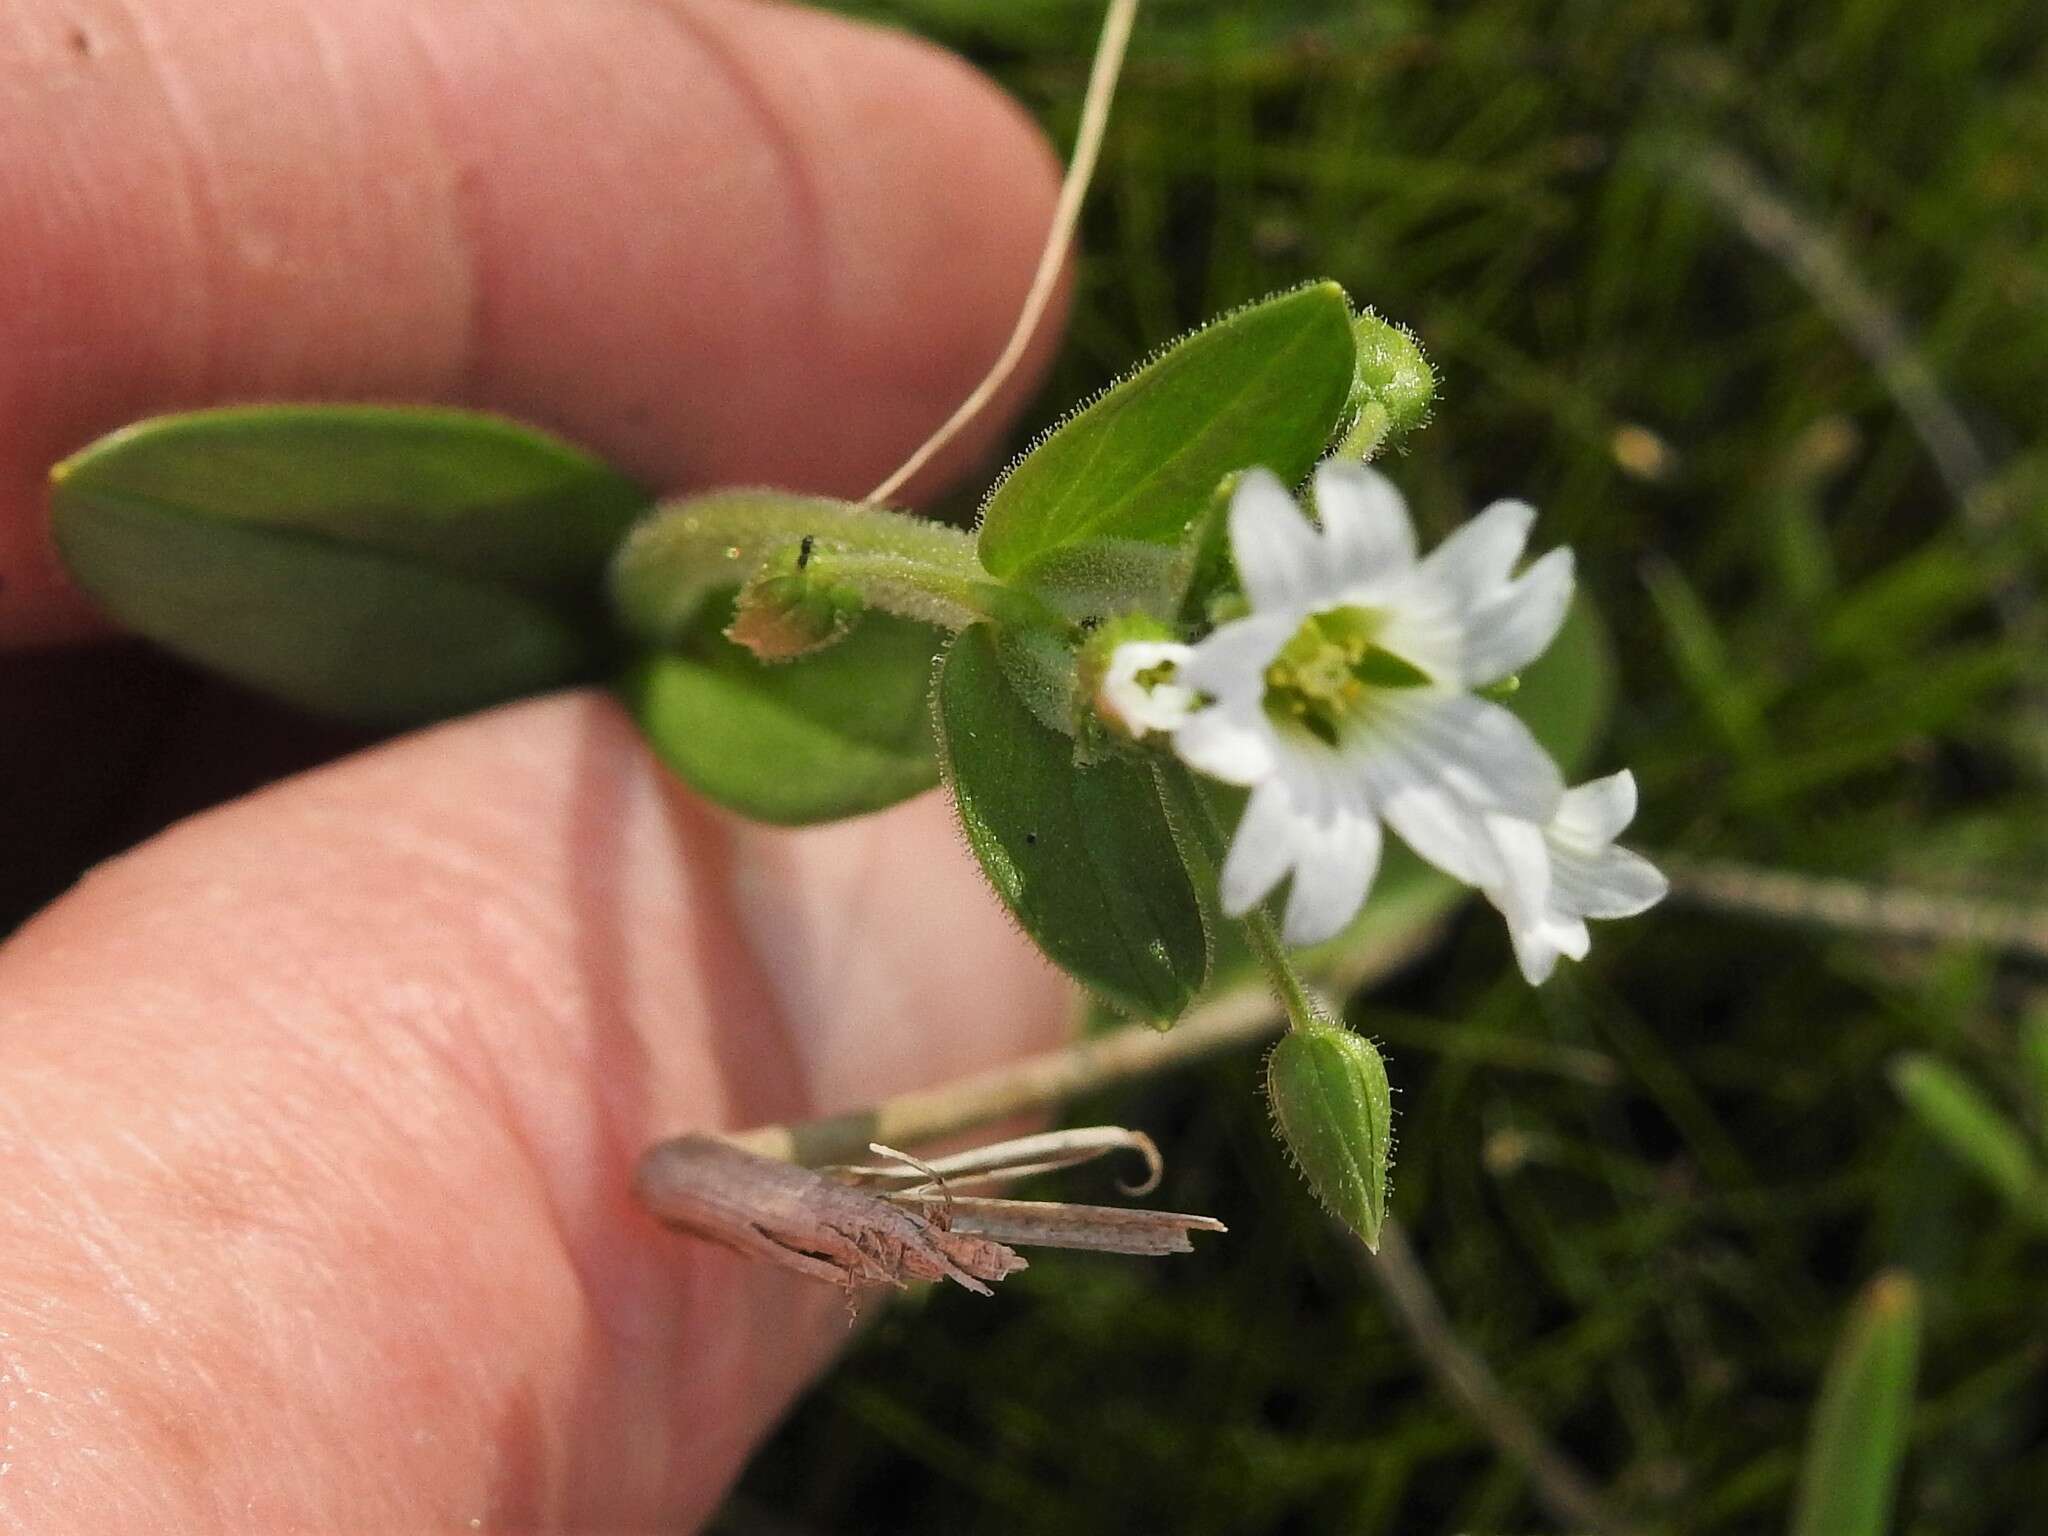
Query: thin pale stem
1774, 225
1561, 1486
1102, 77
1850, 906
1088, 1065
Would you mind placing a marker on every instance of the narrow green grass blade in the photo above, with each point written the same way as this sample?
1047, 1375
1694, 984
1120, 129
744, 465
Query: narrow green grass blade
1858, 1438
1949, 1106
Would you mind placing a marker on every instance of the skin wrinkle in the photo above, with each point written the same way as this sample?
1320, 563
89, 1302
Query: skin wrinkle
194, 150
811, 283
465, 373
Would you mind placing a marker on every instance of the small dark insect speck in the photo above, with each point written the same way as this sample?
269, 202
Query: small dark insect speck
1031, 837
803, 550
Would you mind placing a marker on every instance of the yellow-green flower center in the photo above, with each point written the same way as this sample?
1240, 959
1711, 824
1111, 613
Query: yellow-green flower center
1323, 679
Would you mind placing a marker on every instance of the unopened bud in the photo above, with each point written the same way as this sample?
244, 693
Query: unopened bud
1328, 1089
1129, 675
1392, 390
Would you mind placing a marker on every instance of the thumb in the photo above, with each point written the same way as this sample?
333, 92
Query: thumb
318, 1115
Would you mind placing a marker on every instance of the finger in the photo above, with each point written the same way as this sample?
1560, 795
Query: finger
718, 242
317, 1117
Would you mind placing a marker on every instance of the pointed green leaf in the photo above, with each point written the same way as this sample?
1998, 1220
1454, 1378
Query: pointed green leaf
382, 563
838, 733
1084, 857
1949, 1106
1858, 1437
1266, 385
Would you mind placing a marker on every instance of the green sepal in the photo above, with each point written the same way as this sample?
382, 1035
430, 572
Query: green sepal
837, 733
1335, 1114
385, 564
1267, 385
1083, 857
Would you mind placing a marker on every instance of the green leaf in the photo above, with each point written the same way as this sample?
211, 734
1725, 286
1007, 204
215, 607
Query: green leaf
381, 563
1331, 1103
836, 733
1266, 385
1084, 857
1858, 1438
1949, 1106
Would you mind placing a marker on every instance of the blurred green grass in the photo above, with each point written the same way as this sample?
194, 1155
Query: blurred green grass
1648, 1192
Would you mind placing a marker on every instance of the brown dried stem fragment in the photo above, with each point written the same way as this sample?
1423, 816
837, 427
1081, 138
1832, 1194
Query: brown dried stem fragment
820, 1223
802, 1220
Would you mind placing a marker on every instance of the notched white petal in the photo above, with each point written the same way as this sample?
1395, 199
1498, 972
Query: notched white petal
1136, 705
1367, 533
1231, 663
1261, 851
1479, 751
1507, 633
1599, 810
1230, 742
1278, 556
1624, 884
1481, 555
1331, 879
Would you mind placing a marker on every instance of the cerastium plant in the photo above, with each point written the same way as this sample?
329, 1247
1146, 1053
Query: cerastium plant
1160, 686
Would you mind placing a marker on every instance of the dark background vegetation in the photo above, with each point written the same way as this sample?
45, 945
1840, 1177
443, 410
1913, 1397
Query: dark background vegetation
1802, 461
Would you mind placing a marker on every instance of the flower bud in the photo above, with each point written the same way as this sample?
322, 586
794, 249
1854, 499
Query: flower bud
1328, 1089
788, 610
1392, 389
1127, 675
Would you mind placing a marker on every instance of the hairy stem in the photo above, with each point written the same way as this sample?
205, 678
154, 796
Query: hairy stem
674, 561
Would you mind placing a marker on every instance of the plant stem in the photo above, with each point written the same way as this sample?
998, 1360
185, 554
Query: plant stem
1102, 77
1303, 1011
934, 594
674, 561
1191, 807
1849, 906
1561, 1486
1041, 1082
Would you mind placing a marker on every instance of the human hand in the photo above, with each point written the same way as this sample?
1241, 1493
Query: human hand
318, 1111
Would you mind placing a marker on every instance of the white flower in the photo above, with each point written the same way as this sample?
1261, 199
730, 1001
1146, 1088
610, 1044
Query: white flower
1140, 688
1569, 870
1344, 697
